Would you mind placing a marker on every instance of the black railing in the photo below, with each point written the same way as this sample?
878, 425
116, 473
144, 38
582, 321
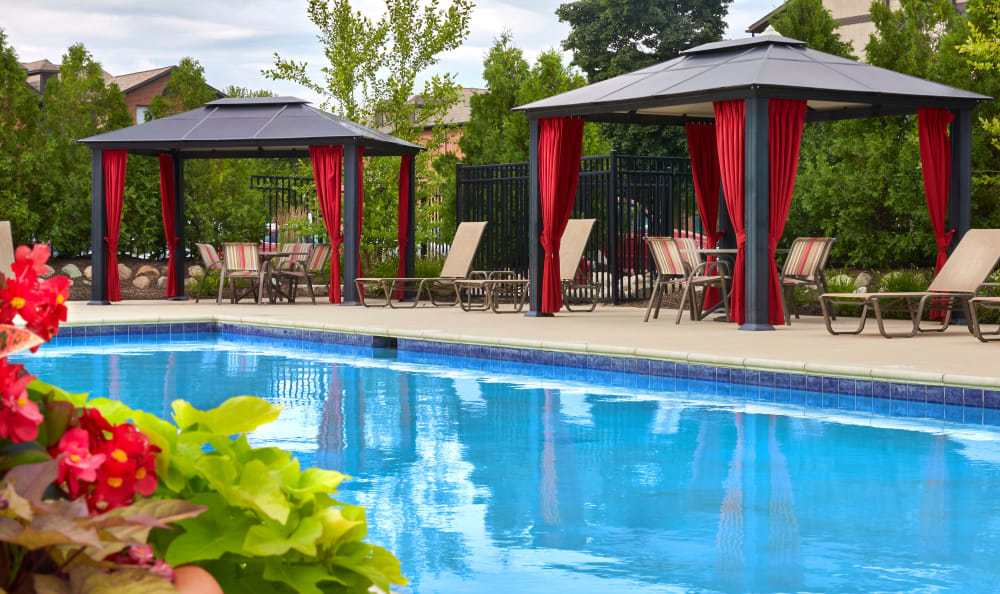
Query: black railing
630, 196
281, 193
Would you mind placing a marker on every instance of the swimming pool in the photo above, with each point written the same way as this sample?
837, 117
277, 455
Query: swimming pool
502, 477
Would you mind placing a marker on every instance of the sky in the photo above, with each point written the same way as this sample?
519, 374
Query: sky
234, 39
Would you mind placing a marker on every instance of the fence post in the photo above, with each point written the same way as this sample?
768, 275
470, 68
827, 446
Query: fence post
459, 209
536, 256
612, 231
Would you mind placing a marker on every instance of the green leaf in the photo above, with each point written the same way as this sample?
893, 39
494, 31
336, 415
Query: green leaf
220, 530
86, 579
267, 540
304, 579
16, 505
49, 584
315, 480
57, 417
336, 526
114, 411
18, 454
31, 480
42, 391
240, 414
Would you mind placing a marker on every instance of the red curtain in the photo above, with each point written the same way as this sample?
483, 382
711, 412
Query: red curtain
731, 131
560, 143
935, 162
167, 208
114, 191
705, 171
403, 219
327, 162
784, 124
361, 202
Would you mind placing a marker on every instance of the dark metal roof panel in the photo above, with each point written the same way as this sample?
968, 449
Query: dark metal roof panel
767, 61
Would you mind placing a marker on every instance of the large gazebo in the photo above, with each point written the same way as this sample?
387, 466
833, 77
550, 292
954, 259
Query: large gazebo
743, 103
264, 127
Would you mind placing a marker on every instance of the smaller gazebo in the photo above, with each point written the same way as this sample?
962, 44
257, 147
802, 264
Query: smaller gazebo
260, 127
744, 103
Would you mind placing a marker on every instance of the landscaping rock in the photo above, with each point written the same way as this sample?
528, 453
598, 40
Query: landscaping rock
49, 271
147, 269
141, 282
124, 272
88, 273
195, 270
864, 279
72, 271
188, 282
161, 283
85, 282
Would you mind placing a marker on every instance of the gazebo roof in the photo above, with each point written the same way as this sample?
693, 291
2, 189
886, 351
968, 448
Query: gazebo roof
251, 127
684, 88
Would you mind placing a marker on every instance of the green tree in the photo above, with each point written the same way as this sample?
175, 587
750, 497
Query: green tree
77, 104
982, 51
810, 21
495, 134
19, 164
371, 78
612, 38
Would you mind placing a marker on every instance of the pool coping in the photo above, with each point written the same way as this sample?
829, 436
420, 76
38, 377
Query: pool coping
748, 365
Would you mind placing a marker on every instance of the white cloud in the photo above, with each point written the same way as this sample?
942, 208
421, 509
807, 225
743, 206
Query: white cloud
235, 39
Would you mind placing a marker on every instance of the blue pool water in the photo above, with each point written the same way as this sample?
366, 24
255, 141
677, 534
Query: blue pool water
535, 479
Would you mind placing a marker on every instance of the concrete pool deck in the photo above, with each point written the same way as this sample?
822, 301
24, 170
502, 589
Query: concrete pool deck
952, 358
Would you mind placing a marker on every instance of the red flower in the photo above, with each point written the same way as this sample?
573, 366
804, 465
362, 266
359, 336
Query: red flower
128, 468
36, 256
19, 415
97, 428
19, 297
78, 464
51, 308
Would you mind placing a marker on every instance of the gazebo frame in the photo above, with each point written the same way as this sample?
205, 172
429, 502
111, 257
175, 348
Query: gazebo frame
755, 69
261, 128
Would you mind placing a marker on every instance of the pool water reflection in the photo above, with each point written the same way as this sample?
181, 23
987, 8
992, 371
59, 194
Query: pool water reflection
505, 482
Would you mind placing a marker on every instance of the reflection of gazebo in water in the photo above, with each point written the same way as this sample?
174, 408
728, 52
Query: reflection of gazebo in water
743, 103
254, 128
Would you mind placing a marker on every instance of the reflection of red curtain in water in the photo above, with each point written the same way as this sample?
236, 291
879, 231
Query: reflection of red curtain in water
784, 566
730, 561
934, 503
331, 435
169, 385
405, 414
549, 491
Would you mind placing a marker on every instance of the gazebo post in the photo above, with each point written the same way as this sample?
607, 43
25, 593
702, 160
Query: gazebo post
410, 257
536, 257
756, 213
179, 249
98, 229
351, 243
960, 194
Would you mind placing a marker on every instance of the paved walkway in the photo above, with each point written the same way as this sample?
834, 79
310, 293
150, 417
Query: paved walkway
954, 357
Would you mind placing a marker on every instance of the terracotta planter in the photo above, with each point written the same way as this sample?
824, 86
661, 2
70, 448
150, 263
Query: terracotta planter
191, 579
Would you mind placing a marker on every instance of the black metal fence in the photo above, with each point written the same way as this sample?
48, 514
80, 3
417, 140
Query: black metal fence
282, 193
630, 196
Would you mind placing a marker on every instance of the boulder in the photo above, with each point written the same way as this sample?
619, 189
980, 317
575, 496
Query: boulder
188, 282
88, 273
85, 282
195, 270
147, 269
49, 271
124, 272
141, 282
72, 271
161, 283
864, 279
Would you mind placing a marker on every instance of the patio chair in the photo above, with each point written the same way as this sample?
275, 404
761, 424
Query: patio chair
241, 261
804, 267
986, 303
499, 285
457, 266
6, 248
673, 264
211, 262
304, 268
959, 280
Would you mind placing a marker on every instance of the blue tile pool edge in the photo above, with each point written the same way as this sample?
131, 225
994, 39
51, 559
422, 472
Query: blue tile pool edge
905, 393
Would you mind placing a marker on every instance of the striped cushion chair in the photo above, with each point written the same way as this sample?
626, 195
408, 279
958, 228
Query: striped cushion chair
212, 263
288, 262
241, 261
804, 268
673, 264
308, 268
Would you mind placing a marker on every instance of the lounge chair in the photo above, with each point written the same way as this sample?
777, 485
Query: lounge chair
6, 248
303, 268
804, 267
986, 303
211, 262
501, 285
457, 266
241, 261
673, 265
959, 280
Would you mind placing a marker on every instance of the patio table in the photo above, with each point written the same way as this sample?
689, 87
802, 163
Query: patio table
274, 291
724, 252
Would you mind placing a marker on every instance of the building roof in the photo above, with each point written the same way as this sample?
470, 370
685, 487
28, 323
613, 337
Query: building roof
684, 88
40, 66
128, 82
459, 113
761, 24
249, 127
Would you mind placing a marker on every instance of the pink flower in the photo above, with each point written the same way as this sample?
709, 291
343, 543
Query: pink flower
78, 464
142, 553
19, 415
37, 256
162, 569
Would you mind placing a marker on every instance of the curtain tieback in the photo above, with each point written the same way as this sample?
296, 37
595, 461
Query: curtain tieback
741, 239
772, 245
944, 240
112, 245
550, 249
